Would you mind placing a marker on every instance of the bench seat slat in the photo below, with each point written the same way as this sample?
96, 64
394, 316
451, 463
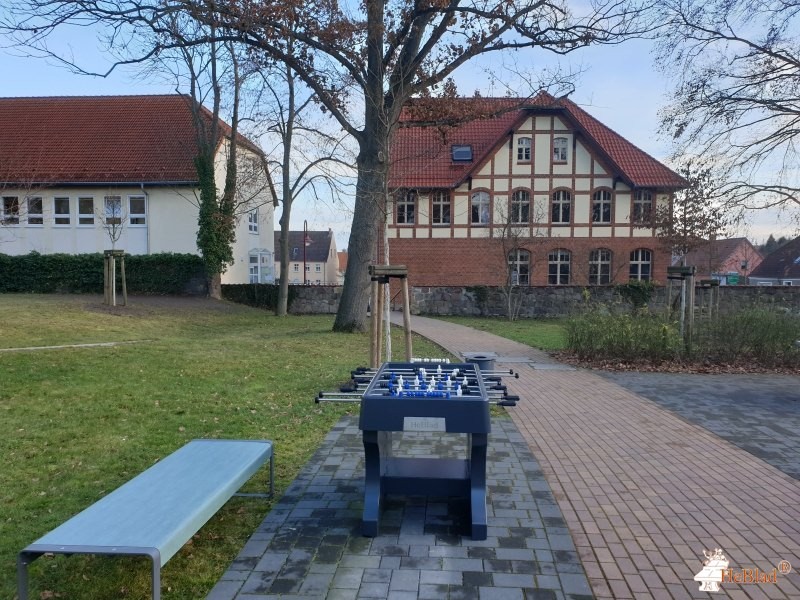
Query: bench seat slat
169, 502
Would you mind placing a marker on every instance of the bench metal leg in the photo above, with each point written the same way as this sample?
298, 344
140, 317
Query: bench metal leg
272, 473
156, 564
22, 575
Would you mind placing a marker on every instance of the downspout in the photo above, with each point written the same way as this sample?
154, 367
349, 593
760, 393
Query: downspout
147, 215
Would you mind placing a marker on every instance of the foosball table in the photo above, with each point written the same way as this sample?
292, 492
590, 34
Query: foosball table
438, 397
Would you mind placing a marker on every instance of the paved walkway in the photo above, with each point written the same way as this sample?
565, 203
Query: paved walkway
642, 490
638, 493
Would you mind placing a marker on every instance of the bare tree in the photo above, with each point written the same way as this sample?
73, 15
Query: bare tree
738, 64
696, 216
313, 161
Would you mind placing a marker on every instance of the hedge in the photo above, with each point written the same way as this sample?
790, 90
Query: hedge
164, 273
260, 295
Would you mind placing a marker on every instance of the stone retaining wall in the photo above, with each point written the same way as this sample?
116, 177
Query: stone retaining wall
543, 302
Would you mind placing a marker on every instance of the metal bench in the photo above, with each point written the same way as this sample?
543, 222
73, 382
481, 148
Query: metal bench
158, 511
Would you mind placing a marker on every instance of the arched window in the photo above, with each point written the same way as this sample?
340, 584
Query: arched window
519, 267
521, 207
642, 206
641, 264
479, 208
558, 263
601, 207
560, 145
440, 207
406, 203
600, 266
524, 149
562, 203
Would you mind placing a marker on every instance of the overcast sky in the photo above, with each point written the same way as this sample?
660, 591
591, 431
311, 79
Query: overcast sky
618, 86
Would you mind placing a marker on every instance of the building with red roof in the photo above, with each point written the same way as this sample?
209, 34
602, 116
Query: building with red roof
70, 165
536, 192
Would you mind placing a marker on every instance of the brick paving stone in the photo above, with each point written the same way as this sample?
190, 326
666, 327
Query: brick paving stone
423, 549
646, 489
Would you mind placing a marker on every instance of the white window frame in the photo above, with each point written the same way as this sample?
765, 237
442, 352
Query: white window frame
61, 219
600, 266
519, 267
137, 219
296, 268
252, 221
440, 207
520, 207
317, 268
639, 260
524, 149
112, 210
561, 259
602, 207
34, 219
254, 270
560, 149
642, 206
86, 219
480, 208
9, 211
406, 207
561, 201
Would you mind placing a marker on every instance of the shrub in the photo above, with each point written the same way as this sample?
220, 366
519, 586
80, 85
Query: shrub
762, 336
259, 295
631, 337
637, 292
162, 273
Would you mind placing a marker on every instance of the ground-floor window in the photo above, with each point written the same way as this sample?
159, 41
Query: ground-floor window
600, 266
261, 267
558, 266
641, 264
519, 267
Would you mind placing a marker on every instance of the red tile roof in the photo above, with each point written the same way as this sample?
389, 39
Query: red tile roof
420, 156
784, 263
712, 256
99, 139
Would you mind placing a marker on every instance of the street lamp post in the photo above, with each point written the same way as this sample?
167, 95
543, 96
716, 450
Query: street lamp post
306, 244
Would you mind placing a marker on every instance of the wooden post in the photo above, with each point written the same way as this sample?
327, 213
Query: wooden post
373, 340
407, 318
124, 282
106, 273
379, 323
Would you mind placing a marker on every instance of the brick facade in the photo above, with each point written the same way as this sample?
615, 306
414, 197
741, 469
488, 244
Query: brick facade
469, 262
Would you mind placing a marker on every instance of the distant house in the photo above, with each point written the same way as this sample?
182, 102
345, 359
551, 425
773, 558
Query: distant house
729, 261
781, 267
70, 167
573, 200
313, 252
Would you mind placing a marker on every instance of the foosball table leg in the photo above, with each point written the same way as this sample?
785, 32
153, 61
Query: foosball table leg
372, 484
477, 476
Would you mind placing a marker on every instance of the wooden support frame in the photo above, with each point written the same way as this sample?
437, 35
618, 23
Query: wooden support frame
381, 275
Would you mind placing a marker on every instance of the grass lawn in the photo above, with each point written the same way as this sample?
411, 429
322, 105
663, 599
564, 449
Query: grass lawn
79, 422
545, 334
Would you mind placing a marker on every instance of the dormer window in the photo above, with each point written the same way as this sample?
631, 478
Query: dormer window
461, 153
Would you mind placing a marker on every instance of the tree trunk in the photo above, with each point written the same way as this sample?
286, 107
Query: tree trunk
367, 219
283, 289
215, 286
